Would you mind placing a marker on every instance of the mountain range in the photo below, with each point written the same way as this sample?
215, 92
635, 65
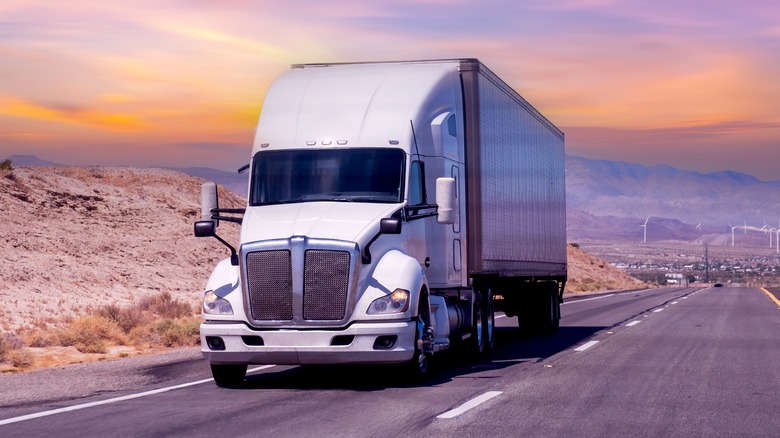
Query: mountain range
612, 200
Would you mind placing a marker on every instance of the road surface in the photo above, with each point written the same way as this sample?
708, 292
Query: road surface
661, 362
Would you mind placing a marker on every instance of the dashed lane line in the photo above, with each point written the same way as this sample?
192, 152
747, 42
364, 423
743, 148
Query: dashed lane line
632, 323
469, 405
586, 345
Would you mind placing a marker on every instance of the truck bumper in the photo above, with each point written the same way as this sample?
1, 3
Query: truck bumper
369, 343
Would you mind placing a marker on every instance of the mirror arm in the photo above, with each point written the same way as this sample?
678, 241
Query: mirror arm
233, 254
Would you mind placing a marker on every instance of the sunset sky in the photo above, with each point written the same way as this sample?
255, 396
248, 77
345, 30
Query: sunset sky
692, 84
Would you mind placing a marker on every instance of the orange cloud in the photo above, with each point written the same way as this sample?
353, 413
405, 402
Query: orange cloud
103, 120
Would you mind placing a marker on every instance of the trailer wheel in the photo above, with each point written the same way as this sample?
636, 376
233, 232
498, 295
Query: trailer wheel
488, 320
477, 340
228, 376
549, 309
556, 303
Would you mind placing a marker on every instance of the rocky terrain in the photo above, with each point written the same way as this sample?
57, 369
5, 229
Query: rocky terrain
73, 239
76, 238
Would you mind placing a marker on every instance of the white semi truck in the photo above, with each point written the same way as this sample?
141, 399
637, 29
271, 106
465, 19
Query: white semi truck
393, 208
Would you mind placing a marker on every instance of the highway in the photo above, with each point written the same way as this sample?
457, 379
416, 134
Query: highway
661, 362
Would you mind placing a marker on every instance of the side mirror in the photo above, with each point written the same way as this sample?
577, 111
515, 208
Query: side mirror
208, 202
445, 198
390, 226
205, 228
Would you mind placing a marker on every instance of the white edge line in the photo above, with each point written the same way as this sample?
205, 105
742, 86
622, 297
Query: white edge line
589, 299
658, 310
632, 323
586, 345
112, 400
471, 404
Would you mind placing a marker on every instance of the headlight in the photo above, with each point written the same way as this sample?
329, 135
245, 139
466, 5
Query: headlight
215, 305
396, 302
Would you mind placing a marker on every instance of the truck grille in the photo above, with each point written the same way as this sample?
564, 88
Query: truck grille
269, 282
271, 289
325, 284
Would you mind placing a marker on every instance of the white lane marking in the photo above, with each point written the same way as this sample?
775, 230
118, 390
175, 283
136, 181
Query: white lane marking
684, 298
658, 310
632, 323
586, 345
113, 400
674, 302
471, 404
589, 299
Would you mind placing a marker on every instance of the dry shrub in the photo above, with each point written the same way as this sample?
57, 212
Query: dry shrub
9, 343
165, 306
90, 333
21, 358
12, 351
178, 333
127, 318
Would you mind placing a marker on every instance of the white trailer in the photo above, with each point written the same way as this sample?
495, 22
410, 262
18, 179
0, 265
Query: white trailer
344, 254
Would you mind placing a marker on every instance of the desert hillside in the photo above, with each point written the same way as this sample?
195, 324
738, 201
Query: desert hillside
74, 239
78, 238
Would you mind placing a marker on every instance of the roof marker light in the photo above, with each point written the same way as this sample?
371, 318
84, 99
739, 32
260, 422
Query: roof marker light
264, 145
311, 143
326, 142
341, 142
394, 142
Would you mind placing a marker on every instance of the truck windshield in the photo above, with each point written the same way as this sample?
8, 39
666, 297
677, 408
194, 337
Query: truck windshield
309, 175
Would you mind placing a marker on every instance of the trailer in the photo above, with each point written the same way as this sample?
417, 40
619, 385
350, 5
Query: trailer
393, 208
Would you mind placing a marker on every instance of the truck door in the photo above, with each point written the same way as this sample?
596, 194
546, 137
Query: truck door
448, 164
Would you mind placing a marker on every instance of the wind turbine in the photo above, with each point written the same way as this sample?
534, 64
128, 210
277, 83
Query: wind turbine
645, 229
732, 233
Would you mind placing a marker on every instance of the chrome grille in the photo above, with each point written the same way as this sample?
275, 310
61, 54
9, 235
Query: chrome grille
325, 284
269, 284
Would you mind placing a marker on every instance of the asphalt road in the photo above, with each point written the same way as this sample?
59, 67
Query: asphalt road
665, 362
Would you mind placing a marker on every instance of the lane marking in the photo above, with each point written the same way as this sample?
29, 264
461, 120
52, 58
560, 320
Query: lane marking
658, 310
588, 299
586, 345
772, 296
471, 404
674, 302
114, 400
632, 323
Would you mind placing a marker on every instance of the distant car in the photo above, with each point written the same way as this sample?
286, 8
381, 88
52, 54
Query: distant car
718, 285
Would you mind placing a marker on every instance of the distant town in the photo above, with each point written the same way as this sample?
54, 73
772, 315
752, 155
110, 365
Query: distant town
686, 263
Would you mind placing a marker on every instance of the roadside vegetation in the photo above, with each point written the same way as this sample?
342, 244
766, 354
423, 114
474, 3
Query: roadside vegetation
154, 322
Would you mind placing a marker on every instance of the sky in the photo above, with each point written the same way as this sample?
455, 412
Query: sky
691, 84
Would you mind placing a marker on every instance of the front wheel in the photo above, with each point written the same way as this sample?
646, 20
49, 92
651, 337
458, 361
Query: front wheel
418, 368
228, 375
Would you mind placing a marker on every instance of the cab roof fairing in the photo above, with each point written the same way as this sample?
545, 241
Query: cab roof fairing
365, 104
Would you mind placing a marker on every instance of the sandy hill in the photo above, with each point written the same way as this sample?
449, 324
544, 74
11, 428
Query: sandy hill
78, 238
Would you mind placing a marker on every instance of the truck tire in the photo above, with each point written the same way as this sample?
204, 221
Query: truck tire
228, 375
488, 321
477, 340
549, 307
418, 368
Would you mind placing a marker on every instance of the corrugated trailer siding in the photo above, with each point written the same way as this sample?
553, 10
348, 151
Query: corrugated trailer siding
523, 211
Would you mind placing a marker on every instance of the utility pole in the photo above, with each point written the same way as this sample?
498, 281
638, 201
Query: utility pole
706, 263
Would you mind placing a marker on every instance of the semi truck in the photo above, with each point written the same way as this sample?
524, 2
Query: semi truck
393, 208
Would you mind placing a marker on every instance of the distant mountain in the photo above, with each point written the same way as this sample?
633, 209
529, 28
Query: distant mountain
30, 160
236, 182
610, 198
